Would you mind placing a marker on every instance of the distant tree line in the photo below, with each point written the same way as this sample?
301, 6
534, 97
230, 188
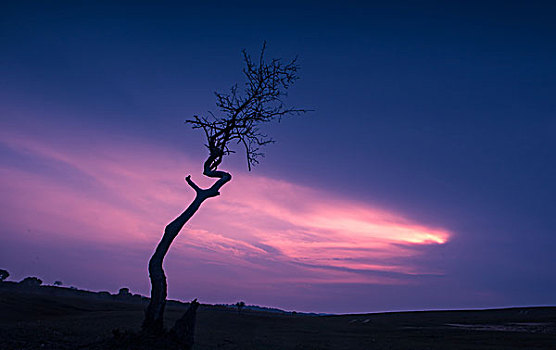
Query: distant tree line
27, 281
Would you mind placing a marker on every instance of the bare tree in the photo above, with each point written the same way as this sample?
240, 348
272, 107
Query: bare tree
240, 112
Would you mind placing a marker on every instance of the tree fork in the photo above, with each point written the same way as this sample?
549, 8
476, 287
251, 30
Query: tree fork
154, 314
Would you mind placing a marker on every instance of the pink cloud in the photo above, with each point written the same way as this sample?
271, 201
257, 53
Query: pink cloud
125, 192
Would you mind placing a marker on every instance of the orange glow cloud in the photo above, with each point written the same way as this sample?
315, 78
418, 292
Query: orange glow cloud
126, 192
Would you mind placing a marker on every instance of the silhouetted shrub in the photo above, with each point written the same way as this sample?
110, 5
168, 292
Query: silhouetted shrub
240, 305
3, 275
57, 283
31, 282
124, 292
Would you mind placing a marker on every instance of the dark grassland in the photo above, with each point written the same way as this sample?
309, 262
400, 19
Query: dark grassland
59, 318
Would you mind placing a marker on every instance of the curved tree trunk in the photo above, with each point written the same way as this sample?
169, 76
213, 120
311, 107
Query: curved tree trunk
155, 311
154, 314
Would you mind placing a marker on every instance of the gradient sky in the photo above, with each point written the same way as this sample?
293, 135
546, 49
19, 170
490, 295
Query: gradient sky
423, 180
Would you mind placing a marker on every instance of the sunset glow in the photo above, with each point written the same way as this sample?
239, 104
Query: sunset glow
418, 174
125, 193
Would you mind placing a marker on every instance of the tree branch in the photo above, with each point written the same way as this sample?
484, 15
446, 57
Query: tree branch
260, 101
192, 184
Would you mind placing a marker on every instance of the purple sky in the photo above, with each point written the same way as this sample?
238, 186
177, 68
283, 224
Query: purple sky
423, 180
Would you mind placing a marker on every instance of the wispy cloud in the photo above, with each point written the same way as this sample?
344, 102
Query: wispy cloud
124, 192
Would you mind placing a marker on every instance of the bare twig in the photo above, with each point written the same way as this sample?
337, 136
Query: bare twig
241, 112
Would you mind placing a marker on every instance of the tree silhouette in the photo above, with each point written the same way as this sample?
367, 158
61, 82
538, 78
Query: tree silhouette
240, 305
3, 274
31, 282
240, 112
124, 292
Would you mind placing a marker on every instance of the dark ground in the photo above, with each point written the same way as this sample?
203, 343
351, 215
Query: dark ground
43, 318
